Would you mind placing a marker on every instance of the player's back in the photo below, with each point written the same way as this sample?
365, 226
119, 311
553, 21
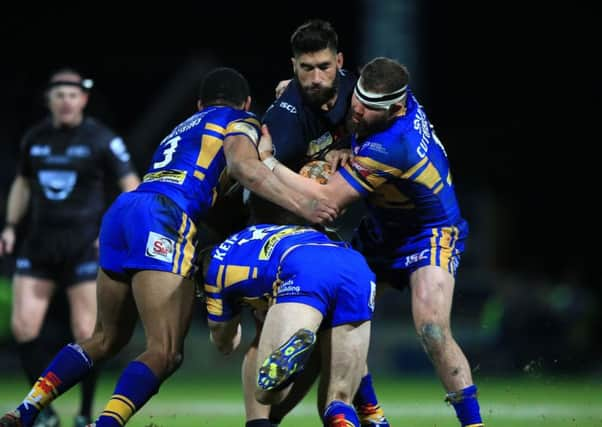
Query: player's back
244, 267
189, 166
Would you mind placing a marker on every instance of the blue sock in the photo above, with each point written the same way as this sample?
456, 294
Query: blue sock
365, 401
467, 406
136, 385
365, 393
260, 422
69, 366
339, 414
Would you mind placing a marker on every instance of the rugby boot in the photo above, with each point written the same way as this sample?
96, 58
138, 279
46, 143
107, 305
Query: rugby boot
279, 369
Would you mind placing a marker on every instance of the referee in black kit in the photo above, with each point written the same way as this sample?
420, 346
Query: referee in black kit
55, 205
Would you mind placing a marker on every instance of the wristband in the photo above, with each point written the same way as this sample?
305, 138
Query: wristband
270, 163
10, 225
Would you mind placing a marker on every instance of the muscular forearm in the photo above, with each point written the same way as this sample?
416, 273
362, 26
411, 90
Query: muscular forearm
300, 184
253, 175
18, 200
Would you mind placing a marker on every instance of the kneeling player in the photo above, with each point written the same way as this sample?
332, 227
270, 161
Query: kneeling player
293, 265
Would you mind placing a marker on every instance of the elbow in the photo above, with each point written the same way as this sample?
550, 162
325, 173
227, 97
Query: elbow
224, 346
224, 341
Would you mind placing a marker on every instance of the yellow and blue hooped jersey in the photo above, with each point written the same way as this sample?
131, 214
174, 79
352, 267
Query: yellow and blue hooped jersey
189, 166
289, 264
404, 173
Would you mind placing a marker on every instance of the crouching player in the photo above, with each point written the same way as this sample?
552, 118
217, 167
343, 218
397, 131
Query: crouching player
292, 267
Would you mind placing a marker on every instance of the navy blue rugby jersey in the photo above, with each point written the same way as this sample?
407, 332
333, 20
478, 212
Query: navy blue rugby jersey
301, 132
189, 166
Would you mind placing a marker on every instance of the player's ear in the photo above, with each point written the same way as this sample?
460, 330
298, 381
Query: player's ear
397, 109
294, 64
199, 105
339, 60
247, 105
85, 97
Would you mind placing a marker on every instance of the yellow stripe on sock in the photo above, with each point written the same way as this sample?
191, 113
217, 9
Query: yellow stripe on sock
120, 407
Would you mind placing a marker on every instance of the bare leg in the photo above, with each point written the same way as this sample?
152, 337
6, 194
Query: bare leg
115, 318
165, 302
253, 409
432, 293
282, 322
31, 298
344, 352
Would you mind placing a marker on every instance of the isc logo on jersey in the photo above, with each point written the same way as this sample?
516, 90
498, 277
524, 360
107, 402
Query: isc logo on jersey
418, 256
159, 247
288, 107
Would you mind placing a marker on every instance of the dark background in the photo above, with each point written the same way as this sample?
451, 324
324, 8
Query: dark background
511, 88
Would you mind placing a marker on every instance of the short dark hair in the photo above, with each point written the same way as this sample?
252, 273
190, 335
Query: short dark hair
224, 85
314, 35
384, 75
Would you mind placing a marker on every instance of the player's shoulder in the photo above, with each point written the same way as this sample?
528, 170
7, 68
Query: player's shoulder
289, 104
37, 130
224, 115
95, 124
97, 131
347, 80
390, 146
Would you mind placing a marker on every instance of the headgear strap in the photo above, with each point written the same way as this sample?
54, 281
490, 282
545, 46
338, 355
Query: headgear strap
84, 84
380, 101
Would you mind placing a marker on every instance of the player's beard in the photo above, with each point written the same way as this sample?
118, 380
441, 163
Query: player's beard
318, 96
364, 129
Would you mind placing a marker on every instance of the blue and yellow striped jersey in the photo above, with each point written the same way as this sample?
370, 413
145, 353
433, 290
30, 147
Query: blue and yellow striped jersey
405, 174
244, 267
189, 166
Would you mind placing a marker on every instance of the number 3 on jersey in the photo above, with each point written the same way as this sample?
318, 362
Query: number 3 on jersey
172, 145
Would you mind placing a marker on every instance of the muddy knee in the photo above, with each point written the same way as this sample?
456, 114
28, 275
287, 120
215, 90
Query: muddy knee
432, 337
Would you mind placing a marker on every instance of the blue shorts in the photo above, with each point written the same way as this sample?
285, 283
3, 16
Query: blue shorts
334, 280
395, 261
146, 231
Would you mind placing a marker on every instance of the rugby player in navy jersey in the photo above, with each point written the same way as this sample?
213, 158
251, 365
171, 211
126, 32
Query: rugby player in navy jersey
56, 200
413, 233
148, 243
290, 267
308, 121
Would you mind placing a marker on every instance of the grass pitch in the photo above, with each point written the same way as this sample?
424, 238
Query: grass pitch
198, 400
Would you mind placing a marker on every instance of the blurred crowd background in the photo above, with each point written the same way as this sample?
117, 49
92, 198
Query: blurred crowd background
507, 86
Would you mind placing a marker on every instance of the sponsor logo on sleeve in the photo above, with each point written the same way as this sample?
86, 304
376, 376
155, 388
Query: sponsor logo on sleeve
288, 288
119, 149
